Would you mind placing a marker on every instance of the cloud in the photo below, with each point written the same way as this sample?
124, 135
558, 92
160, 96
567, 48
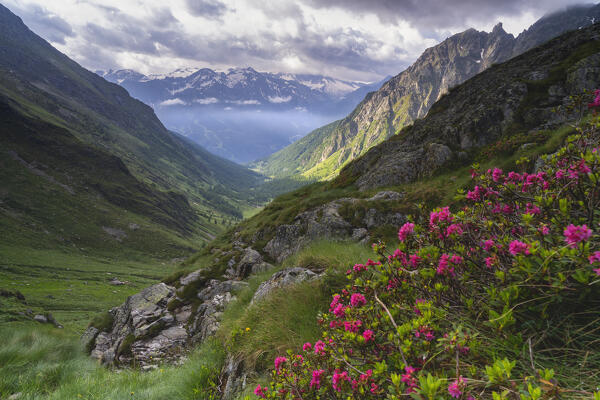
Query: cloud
173, 102
278, 99
244, 102
206, 8
207, 100
441, 14
51, 26
348, 39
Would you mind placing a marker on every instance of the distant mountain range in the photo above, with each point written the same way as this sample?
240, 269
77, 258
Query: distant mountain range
242, 114
410, 94
84, 164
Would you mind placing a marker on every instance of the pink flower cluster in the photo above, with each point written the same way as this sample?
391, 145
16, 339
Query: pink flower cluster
279, 361
406, 230
455, 388
357, 300
316, 378
443, 215
261, 391
575, 234
517, 247
338, 378
444, 267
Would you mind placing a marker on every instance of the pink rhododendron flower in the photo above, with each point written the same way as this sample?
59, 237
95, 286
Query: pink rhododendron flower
398, 255
490, 261
575, 234
279, 361
406, 229
357, 300
408, 379
443, 215
352, 326
455, 388
517, 247
359, 267
455, 259
319, 347
339, 311
334, 302
443, 267
514, 177
488, 244
368, 335
315, 382
261, 391
544, 230
338, 378
475, 194
496, 174
414, 260
532, 209
595, 257
454, 229
307, 346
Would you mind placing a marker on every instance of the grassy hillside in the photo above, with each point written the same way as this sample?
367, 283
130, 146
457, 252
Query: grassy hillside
42, 83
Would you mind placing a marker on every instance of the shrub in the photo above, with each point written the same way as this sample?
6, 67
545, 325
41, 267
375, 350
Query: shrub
471, 300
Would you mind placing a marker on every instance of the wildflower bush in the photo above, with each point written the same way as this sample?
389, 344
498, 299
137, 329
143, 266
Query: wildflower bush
474, 303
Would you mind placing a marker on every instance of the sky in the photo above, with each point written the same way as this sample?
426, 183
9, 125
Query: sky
362, 40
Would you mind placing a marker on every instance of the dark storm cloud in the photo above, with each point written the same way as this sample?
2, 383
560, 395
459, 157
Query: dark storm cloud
440, 14
206, 8
52, 27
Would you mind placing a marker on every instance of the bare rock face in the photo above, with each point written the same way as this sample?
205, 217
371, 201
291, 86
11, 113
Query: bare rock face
146, 330
286, 277
251, 262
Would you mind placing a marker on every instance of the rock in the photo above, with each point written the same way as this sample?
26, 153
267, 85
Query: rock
359, 234
88, 337
116, 282
194, 276
47, 319
250, 258
15, 396
233, 377
147, 330
387, 195
40, 318
286, 277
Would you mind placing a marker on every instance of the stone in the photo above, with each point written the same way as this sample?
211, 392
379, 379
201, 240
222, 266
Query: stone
40, 318
286, 277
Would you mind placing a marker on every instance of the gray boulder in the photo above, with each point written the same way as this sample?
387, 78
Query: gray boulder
286, 277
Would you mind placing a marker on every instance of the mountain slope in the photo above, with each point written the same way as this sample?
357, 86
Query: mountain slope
41, 87
410, 94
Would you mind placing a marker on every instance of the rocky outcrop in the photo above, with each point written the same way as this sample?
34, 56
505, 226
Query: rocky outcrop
286, 277
251, 262
156, 325
326, 222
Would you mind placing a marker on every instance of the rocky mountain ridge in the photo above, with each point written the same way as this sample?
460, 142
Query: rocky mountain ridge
409, 95
242, 114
